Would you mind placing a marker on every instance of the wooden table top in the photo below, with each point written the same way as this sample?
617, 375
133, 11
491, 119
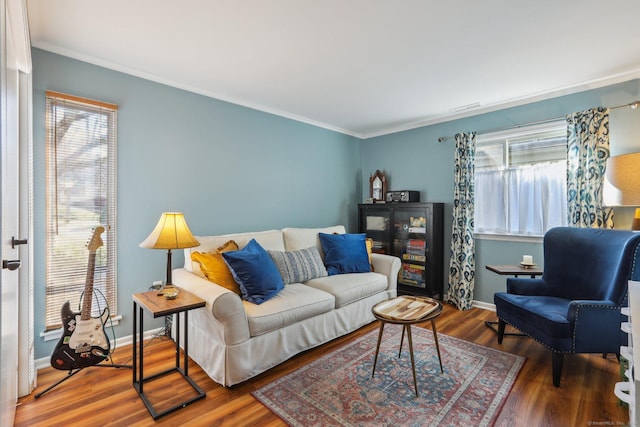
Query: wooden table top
407, 309
159, 306
515, 270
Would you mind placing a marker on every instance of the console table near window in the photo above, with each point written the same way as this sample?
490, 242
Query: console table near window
512, 270
158, 306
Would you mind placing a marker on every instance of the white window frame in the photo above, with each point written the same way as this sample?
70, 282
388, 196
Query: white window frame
508, 136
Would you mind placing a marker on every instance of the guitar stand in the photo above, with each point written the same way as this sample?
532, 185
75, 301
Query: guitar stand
73, 372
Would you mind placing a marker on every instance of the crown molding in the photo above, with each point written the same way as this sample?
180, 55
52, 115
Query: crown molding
495, 106
514, 102
167, 82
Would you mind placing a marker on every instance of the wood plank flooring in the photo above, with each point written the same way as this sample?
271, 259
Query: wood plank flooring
105, 397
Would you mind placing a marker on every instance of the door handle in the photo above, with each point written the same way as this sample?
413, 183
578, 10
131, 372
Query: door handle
15, 242
12, 264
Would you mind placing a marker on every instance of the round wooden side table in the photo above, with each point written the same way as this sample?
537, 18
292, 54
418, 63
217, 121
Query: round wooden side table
407, 310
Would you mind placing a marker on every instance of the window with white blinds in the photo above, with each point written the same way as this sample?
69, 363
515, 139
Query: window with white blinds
80, 196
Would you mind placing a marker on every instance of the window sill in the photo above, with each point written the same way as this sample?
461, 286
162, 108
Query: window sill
57, 333
508, 237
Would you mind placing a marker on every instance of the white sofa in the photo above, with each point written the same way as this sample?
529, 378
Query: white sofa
234, 340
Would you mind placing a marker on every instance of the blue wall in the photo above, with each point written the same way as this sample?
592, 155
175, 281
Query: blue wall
232, 169
228, 168
415, 160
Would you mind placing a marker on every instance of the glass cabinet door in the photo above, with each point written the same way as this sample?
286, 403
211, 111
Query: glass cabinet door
413, 232
377, 227
410, 244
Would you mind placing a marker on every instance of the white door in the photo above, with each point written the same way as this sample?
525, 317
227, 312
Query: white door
9, 228
11, 55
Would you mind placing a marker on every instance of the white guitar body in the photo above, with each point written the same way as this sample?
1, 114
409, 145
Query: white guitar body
88, 334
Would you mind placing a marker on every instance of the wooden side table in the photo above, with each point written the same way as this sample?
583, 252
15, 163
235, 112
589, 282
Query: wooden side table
515, 271
158, 306
407, 310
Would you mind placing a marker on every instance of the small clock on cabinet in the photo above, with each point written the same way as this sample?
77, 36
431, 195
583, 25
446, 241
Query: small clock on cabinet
377, 186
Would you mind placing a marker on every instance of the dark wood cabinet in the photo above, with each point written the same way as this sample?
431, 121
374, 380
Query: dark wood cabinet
414, 233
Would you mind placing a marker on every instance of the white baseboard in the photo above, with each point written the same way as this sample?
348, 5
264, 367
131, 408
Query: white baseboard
44, 362
484, 305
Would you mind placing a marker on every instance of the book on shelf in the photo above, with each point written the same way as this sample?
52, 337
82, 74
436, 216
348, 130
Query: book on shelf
416, 243
413, 282
414, 257
413, 251
413, 273
417, 221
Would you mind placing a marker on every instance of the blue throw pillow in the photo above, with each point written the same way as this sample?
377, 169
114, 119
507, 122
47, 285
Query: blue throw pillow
254, 271
345, 253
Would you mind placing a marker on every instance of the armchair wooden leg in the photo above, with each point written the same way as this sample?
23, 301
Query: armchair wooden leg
556, 362
501, 325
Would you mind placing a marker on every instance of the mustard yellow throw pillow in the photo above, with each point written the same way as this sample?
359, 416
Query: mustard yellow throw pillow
214, 268
369, 243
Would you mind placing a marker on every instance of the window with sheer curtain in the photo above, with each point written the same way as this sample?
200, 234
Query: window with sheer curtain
80, 195
520, 180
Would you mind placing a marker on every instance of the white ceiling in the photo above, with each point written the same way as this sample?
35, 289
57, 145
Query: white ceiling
361, 67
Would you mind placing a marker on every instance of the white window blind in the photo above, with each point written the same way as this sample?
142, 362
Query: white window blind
520, 180
80, 195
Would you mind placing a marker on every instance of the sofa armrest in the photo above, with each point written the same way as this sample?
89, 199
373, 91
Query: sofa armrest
225, 306
389, 266
596, 323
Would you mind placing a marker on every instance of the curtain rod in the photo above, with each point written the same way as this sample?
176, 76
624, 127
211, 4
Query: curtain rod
633, 105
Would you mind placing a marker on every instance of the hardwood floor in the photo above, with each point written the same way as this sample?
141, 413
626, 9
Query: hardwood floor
104, 396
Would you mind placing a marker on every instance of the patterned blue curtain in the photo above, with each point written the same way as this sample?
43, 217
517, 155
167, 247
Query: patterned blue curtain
462, 266
587, 153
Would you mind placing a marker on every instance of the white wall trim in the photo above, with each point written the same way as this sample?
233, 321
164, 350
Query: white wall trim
508, 238
152, 77
500, 105
483, 305
509, 103
19, 23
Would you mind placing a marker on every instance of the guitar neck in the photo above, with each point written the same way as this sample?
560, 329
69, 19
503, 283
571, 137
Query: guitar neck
85, 314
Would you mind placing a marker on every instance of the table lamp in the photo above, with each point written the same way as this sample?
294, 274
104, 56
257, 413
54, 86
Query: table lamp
623, 172
171, 232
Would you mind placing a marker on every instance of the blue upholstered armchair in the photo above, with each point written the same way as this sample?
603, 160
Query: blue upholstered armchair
575, 306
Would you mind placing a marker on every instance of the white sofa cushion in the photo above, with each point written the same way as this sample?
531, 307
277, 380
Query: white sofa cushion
270, 240
294, 303
302, 238
347, 288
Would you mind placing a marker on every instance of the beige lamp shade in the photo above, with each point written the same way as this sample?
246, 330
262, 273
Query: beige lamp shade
171, 232
623, 173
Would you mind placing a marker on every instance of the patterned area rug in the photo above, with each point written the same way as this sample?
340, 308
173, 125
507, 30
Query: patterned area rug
337, 389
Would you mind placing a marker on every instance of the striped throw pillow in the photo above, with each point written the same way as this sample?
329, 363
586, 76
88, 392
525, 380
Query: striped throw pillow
299, 266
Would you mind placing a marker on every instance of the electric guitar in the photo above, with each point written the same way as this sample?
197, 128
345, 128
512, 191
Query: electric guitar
83, 342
